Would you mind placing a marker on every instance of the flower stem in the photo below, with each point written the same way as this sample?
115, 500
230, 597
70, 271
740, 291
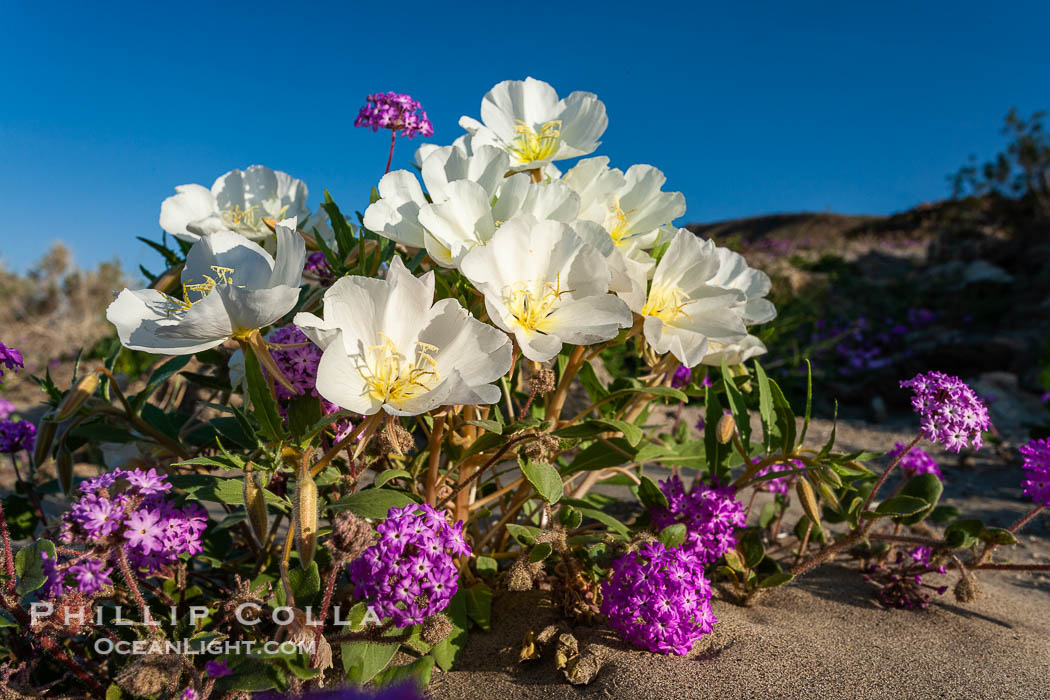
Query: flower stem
9, 559
434, 458
390, 158
893, 465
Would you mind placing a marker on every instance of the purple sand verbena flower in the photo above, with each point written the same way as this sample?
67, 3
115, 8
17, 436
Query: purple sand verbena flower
394, 111
217, 669
410, 572
16, 436
950, 413
780, 484
10, 359
298, 361
711, 515
659, 599
6, 408
91, 575
1036, 463
916, 461
681, 377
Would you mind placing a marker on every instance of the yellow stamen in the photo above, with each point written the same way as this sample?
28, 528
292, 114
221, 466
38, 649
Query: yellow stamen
530, 145
531, 309
667, 304
616, 223
392, 378
225, 276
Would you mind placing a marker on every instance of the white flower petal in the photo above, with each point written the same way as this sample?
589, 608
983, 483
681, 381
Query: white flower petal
143, 323
396, 214
190, 203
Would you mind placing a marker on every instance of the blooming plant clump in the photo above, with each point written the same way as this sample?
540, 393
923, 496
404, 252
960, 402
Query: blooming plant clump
659, 599
410, 573
372, 427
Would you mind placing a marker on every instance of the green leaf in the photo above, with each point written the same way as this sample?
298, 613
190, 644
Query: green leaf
672, 535
770, 429
809, 401
570, 517
611, 453
264, 406
545, 479
785, 418
449, 649
596, 426
765, 517
305, 586
751, 549
486, 566
420, 669
826, 449
901, 505
734, 560
101, 432
963, 533
303, 414
388, 474
479, 604
363, 660
737, 405
113, 692
604, 518
926, 487
372, 503
524, 534
29, 565
777, 579
997, 535
650, 494
489, 425
662, 391
943, 513
221, 489
540, 552
715, 451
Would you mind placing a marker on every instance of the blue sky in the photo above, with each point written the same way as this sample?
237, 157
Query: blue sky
749, 108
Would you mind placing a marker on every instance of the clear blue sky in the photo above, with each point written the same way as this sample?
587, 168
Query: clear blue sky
749, 108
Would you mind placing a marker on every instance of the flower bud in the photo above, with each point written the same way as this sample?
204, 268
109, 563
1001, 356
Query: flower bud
305, 516
808, 499
77, 396
168, 279
45, 435
726, 428
64, 466
255, 505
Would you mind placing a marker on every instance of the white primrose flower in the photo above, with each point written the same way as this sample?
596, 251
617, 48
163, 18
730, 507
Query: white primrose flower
240, 201
546, 285
700, 300
526, 119
468, 198
388, 346
630, 206
231, 287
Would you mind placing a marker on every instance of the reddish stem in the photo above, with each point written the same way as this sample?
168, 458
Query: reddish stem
9, 558
390, 158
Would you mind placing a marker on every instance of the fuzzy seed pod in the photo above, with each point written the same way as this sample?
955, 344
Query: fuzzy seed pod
726, 429
808, 499
540, 449
77, 396
45, 435
305, 517
255, 504
436, 628
351, 536
519, 578
147, 676
967, 589
64, 467
541, 381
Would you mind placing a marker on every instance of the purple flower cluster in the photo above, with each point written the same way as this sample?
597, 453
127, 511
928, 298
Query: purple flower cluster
317, 265
950, 413
917, 461
858, 345
299, 365
711, 515
217, 669
409, 573
151, 528
659, 599
6, 408
901, 586
16, 435
396, 112
681, 377
1036, 462
9, 359
780, 484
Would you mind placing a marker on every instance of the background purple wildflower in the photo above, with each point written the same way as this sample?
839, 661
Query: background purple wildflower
659, 599
16, 436
299, 365
6, 408
916, 462
9, 359
1036, 463
780, 484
